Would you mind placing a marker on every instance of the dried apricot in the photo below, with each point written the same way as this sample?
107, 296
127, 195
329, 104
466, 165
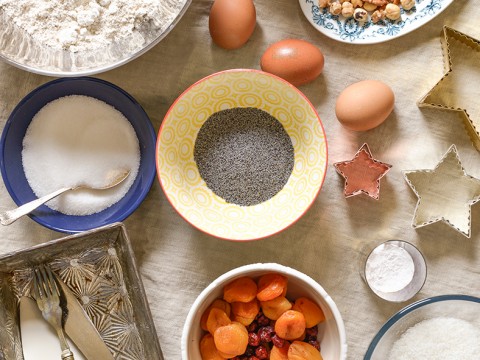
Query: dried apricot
280, 353
300, 350
219, 304
312, 312
243, 289
271, 286
275, 307
245, 312
208, 349
290, 325
217, 318
301, 337
232, 339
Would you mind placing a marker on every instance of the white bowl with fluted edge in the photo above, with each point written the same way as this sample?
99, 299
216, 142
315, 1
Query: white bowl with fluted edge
332, 335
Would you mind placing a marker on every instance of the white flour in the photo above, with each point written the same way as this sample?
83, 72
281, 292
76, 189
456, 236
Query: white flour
389, 268
79, 25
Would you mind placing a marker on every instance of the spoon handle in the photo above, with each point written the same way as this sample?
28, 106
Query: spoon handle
10, 216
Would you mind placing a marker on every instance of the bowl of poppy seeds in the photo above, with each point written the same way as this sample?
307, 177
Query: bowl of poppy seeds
241, 154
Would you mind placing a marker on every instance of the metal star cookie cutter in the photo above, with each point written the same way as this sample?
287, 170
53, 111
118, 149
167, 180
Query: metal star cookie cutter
458, 89
362, 174
445, 193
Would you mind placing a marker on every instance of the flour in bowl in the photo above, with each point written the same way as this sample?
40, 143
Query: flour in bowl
79, 25
75, 140
441, 338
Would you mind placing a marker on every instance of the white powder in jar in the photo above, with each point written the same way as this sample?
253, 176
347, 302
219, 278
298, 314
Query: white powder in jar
389, 268
79, 139
442, 338
79, 25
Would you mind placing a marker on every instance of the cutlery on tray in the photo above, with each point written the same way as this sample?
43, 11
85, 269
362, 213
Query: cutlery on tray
47, 295
67, 316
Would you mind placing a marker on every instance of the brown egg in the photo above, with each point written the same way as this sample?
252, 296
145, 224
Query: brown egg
296, 61
364, 105
231, 22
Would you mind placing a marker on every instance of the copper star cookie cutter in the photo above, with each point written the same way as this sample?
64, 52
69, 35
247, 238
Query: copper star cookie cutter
362, 174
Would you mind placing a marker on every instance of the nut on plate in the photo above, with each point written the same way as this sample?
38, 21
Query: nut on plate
335, 8
369, 6
392, 11
407, 4
347, 9
360, 14
323, 3
378, 15
357, 3
377, 2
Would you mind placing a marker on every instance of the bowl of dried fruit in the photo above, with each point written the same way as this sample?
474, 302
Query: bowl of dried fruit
264, 311
241, 154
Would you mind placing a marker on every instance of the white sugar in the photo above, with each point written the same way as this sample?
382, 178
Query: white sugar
440, 338
79, 139
389, 268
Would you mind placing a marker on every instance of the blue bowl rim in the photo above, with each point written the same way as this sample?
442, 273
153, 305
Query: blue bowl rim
9, 122
408, 309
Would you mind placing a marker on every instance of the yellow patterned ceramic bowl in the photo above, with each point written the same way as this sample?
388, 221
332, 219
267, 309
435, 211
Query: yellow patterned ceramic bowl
187, 191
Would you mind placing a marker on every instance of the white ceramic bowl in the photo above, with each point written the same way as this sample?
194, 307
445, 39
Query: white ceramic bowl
331, 333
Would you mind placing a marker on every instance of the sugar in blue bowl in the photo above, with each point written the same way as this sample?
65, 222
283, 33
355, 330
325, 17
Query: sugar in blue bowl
11, 146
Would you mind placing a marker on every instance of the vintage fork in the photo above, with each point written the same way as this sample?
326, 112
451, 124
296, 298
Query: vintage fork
47, 295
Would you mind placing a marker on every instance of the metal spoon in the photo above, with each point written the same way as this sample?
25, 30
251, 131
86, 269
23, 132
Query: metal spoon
10, 216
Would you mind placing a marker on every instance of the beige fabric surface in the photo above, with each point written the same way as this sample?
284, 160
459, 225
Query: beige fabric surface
177, 261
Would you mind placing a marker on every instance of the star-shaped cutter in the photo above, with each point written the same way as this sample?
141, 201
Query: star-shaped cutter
458, 89
362, 174
445, 193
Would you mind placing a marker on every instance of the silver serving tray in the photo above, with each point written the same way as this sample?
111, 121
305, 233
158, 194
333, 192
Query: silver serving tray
99, 268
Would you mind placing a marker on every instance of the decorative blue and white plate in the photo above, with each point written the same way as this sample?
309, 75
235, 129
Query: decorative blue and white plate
354, 32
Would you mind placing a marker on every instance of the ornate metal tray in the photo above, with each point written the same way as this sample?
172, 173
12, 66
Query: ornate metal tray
99, 268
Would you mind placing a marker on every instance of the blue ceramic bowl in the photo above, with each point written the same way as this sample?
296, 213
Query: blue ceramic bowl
14, 132
462, 307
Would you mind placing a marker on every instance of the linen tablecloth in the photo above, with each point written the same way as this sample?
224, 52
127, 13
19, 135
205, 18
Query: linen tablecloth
177, 261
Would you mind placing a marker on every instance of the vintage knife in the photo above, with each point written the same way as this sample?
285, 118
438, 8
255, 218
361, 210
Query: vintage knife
81, 330
38, 339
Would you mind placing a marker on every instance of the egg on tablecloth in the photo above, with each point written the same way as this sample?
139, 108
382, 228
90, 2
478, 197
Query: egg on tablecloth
364, 105
232, 22
294, 60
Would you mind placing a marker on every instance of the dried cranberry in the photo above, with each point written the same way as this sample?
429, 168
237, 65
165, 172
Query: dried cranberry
265, 333
261, 352
252, 327
278, 341
253, 339
250, 351
315, 344
253, 358
263, 320
312, 332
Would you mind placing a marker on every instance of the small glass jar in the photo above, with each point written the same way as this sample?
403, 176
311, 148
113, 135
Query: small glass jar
394, 270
